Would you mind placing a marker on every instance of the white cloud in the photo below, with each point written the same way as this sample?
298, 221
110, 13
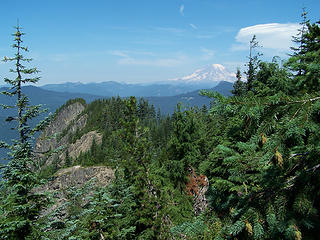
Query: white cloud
193, 26
274, 36
207, 53
181, 10
147, 59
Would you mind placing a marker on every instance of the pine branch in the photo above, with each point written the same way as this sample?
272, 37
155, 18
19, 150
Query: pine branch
305, 100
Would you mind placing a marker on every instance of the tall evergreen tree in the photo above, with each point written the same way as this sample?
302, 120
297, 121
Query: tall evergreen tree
183, 147
264, 170
20, 206
136, 160
253, 63
305, 60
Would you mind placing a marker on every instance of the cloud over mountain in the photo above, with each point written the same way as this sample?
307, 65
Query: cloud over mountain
275, 36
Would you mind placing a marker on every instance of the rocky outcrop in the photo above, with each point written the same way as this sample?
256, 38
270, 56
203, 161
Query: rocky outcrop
69, 188
62, 120
67, 122
61, 184
82, 145
77, 176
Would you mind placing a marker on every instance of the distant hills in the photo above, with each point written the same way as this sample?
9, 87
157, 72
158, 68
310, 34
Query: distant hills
161, 96
190, 99
164, 96
108, 89
204, 78
49, 99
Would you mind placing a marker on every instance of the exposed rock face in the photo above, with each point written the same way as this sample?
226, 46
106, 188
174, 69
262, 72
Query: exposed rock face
65, 124
83, 144
66, 184
67, 179
45, 142
77, 176
200, 200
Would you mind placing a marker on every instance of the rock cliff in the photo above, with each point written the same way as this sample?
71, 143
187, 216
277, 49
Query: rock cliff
63, 184
67, 122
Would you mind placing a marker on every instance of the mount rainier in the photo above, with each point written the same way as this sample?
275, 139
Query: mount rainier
211, 75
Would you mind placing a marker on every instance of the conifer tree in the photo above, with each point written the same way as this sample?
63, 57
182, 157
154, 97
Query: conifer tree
305, 60
239, 87
183, 147
264, 169
136, 160
253, 63
20, 206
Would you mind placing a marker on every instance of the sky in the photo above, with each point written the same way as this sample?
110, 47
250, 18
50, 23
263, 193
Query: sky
144, 41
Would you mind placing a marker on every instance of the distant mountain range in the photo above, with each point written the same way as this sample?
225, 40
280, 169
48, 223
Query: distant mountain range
190, 99
203, 78
108, 89
163, 96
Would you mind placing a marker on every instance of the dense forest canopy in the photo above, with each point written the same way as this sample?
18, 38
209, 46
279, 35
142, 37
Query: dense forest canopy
257, 154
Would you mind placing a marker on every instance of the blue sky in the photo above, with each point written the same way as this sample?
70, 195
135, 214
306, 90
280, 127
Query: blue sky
146, 40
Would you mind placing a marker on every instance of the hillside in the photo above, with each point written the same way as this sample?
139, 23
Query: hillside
191, 99
52, 100
49, 99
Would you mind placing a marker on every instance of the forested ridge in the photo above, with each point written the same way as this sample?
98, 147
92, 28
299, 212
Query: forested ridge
256, 153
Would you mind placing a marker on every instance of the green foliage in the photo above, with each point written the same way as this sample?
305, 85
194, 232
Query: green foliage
19, 205
264, 168
239, 87
253, 63
68, 159
259, 150
184, 146
191, 229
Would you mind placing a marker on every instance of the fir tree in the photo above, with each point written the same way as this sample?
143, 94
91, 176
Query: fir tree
253, 63
183, 147
305, 60
264, 167
239, 87
136, 160
20, 205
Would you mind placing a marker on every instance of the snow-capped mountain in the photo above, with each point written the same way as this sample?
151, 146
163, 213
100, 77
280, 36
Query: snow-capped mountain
210, 74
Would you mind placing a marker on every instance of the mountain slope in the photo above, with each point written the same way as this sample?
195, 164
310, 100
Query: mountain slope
206, 77
50, 100
108, 89
168, 104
